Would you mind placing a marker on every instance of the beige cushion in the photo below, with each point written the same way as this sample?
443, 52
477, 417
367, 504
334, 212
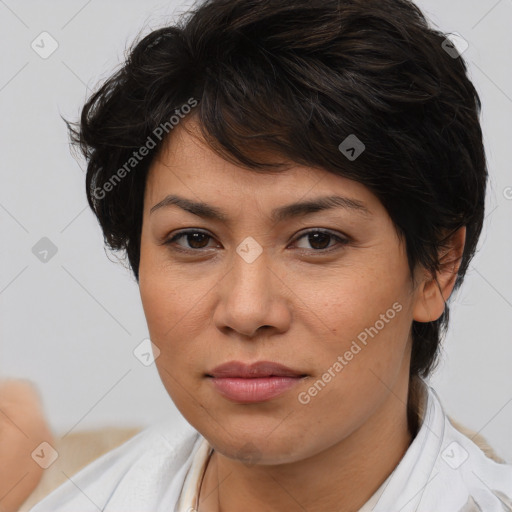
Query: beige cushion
76, 450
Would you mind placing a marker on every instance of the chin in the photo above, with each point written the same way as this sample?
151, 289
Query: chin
251, 448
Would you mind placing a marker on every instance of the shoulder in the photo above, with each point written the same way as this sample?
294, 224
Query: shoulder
467, 469
131, 476
478, 439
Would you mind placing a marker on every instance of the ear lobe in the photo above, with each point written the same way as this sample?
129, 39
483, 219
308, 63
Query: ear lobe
434, 291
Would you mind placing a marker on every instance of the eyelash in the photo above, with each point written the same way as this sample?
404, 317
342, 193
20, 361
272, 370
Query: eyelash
170, 242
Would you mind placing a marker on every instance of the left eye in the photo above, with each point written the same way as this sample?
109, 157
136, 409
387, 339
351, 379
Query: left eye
318, 239
321, 238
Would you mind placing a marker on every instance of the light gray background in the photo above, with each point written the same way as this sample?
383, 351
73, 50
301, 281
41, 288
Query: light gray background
70, 325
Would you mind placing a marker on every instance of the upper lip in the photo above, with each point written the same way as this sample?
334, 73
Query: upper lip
238, 369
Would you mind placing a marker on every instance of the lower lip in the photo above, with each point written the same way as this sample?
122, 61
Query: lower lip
253, 390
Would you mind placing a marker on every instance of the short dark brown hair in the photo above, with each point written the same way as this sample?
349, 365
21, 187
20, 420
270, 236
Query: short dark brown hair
296, 78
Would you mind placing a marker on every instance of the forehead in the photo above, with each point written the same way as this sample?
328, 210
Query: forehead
187, 166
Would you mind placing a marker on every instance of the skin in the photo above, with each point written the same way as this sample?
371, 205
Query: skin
296, 305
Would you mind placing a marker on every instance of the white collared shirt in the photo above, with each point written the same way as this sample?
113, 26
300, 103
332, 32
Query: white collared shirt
441, 471
188, 501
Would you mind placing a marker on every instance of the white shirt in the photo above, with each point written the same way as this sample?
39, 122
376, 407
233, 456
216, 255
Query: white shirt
188, 501
442, 471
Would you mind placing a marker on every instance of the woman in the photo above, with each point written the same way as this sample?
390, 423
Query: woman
299, 187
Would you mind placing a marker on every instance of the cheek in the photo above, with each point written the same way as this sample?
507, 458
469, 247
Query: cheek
168, 295
175, 307
171, 316
364, 316
174, 322
347, 301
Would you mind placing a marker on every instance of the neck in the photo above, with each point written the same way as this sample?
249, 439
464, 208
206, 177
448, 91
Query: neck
344, 477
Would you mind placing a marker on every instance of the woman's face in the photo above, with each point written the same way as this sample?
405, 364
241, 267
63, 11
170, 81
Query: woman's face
335, 307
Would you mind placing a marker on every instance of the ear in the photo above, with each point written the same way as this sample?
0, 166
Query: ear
434, 291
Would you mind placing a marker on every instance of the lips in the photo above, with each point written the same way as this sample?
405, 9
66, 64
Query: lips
257, 382
255, 370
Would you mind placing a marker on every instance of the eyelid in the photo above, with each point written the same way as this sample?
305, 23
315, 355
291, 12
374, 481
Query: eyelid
334, 234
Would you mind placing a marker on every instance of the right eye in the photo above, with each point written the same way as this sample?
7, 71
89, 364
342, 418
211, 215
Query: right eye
194, 238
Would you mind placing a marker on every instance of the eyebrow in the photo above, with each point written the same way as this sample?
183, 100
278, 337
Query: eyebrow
278, 214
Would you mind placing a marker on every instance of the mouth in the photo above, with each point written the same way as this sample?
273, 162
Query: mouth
257, 382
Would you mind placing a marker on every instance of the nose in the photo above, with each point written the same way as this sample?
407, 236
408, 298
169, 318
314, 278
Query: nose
252, 298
